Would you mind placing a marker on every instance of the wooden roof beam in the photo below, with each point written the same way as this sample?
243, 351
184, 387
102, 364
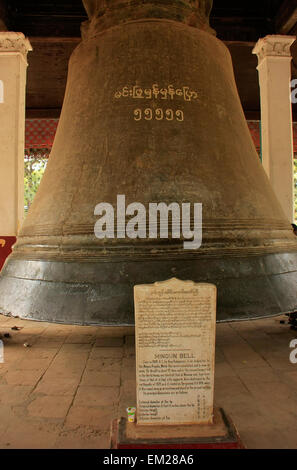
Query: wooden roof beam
286, 18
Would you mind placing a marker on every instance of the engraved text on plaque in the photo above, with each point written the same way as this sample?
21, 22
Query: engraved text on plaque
175, 350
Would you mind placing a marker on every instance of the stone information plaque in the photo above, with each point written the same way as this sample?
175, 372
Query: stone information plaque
175, 352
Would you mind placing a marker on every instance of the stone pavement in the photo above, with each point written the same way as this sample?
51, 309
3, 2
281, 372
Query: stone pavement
64, 390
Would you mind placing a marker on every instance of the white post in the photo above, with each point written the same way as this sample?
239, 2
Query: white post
13, 65
274, 57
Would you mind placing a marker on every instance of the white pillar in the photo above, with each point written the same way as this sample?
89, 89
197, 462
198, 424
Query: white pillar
13, 65
274, 57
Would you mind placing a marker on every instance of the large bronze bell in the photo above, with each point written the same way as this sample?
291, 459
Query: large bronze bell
151, 112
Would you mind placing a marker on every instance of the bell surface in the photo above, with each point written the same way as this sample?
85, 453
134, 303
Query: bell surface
151, 111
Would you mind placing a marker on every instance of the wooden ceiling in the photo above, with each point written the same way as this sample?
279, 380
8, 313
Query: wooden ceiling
47, 18
53, 28
234, 20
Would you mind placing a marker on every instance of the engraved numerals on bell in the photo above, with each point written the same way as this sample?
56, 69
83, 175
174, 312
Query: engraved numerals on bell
158, 114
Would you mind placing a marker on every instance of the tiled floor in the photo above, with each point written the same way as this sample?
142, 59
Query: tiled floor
64, 390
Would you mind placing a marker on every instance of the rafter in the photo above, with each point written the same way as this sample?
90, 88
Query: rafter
286, 18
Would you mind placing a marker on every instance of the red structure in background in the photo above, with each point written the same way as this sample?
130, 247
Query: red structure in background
40, 134
254, 127
6, 244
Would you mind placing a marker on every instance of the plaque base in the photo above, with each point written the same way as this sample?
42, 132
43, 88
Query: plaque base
222, 434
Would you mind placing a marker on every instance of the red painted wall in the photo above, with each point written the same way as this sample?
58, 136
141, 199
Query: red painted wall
6, 244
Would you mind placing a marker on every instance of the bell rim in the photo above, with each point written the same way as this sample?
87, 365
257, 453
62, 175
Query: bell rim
59, 292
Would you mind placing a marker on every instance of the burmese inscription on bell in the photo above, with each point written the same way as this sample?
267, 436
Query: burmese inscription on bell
175, 350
